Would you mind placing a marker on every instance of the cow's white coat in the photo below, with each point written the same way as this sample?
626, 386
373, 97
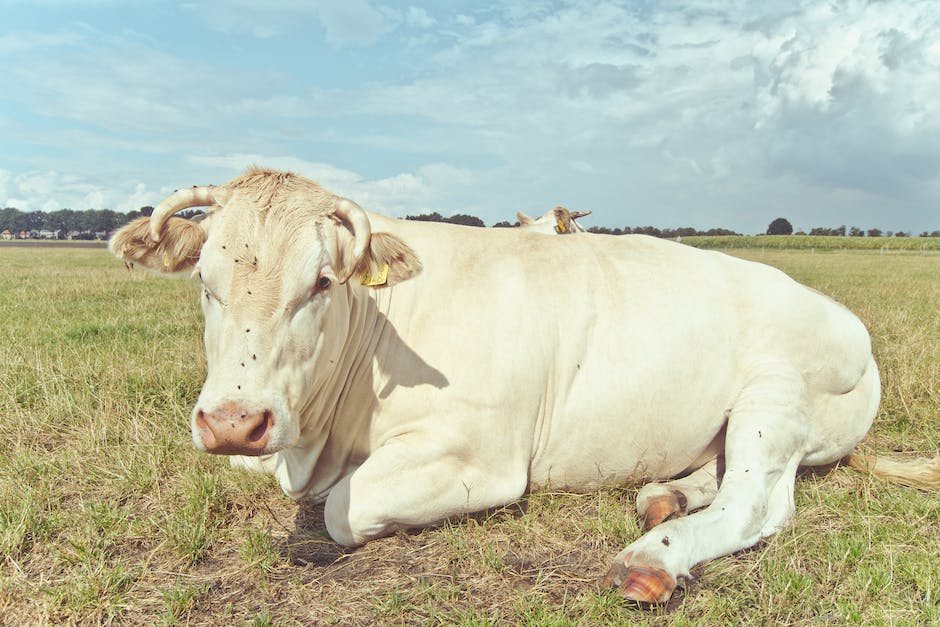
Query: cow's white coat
515, 360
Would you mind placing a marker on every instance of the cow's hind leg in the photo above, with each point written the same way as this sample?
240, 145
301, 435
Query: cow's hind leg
766, 440
659, 502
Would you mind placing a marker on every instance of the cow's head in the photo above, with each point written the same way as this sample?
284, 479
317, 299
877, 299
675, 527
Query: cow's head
559, 220
279, 260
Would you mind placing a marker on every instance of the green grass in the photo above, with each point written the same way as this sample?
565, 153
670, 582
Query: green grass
815, 242
108, 514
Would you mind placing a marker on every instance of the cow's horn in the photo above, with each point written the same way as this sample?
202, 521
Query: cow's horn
579, 214
352, 214
203, 196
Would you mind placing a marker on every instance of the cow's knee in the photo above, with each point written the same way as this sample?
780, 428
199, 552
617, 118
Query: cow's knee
336, 514
353, 522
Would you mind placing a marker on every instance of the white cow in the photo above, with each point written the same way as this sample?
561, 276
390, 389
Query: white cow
557, 221
367, 361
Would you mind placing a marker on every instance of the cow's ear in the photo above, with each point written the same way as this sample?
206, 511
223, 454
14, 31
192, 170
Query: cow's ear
177, 251
387, 261
524, 220
562, 220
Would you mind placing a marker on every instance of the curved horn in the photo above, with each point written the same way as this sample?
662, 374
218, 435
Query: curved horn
579, 214
203, 196
352, 214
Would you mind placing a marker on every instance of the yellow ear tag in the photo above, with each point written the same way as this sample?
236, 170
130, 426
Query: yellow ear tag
560, 227
166, 260
378, 278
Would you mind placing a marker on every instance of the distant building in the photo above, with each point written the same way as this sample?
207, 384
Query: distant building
6, 235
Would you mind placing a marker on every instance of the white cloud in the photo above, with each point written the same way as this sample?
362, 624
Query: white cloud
261, 20
813, 95
5, 188
126, 85
345, 22
355, 21
400, 194
843, 97
51, 190
418, 17
27, 41
655, 113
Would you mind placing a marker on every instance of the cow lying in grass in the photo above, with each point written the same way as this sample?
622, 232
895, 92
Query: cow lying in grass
367, 361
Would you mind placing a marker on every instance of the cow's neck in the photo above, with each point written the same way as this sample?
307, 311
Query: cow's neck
335, 423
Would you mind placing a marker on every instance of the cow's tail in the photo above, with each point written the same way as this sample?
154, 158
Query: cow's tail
921, 473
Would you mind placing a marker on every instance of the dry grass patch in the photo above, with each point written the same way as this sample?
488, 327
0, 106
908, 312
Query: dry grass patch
108, 514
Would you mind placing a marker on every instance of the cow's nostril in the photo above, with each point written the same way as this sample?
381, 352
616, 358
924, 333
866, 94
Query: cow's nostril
201, 419
267, 421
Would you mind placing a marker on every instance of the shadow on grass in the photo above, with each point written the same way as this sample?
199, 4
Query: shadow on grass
309, 543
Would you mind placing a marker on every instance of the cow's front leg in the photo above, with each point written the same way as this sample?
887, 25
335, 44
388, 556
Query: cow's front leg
765, 442
410, 483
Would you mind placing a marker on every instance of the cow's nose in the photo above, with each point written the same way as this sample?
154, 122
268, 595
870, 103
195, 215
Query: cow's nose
231, 430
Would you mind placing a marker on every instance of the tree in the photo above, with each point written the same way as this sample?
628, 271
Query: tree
458, 218
856, 232
427, 217
7, 217
874, 232
63, 220
780, 226
466, 220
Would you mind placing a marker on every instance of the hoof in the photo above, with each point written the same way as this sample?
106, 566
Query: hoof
644, 584
663, 508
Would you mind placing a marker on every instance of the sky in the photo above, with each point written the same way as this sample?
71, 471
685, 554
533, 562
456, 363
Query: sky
665, 113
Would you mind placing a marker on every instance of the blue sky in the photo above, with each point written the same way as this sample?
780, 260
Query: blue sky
704, 114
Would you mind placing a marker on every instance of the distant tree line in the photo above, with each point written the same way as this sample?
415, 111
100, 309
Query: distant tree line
61, 222
469, 220
684, 231
782, 226
458, 218
68, 223
91, 223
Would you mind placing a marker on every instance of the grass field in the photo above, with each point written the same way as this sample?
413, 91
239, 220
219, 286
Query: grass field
815, 242
108, 514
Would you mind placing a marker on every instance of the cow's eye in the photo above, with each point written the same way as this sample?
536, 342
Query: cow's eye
323, 283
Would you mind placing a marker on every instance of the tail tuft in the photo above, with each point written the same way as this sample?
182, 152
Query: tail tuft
923, 474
